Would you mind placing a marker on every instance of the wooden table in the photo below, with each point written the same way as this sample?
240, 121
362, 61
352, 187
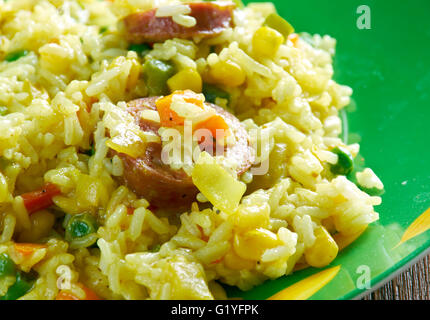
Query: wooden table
413, 284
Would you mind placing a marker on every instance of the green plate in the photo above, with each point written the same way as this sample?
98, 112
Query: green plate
388, 67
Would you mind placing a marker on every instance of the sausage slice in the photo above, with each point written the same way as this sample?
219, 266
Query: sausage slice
211, 19
157, 182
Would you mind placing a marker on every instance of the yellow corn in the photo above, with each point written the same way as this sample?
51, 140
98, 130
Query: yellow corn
250, 217
134, 74
186, 79
323, 252
90, 192
234, 262
252, 244
227, 73
266, 42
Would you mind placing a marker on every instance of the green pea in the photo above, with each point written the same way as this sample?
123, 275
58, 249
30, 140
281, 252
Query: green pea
371, 191
212, 92
90, 152
79, 226
13, 56
155, 248
275, 21
3, 111
344, 164
22, 285
156, 73
142, 49
239, 4
103, 29
7, 266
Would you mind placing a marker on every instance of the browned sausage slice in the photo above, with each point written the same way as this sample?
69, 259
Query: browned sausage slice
163, 187
211, 19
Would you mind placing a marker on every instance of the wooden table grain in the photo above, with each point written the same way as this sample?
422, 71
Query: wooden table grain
413, 284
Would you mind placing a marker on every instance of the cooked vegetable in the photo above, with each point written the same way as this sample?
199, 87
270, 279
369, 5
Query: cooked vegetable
212, 92
170, 118
22, 285
228, 73
149, 177
372, 191
216, 184
266, 42
90, 152
155, 248
28, 248
211, 19
156, 73
186, 79
369, 182
7, 266
216, 125
344, 164
324, 250
81, 229
13, 56
66, 295
3, 111
142, 49
252, 244
40, 199
275, 21
239, 3
103, 29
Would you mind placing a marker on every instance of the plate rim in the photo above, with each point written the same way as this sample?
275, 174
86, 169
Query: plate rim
391, 273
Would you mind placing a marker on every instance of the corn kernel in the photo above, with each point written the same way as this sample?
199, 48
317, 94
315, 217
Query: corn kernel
250, 217
266, 42
134, 74
252, 244
234, 262
323, 252
90, 192
227, 73
186, 79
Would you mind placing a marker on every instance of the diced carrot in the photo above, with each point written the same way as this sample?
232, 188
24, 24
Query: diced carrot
89, 294
130, 211
217, 261
28, 248
294, 38
168, 117
213, 124
40, 199
64, 295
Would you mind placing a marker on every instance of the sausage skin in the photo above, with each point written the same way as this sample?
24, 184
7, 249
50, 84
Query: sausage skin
211, 19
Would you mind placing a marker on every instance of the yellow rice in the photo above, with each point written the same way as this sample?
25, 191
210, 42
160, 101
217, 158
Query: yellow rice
70, 64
